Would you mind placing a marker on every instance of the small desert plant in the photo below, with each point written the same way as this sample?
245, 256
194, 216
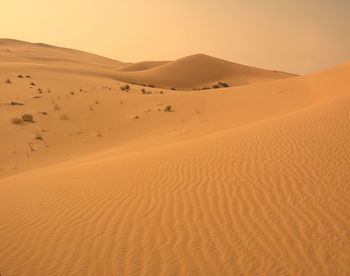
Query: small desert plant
173, 88
27, 76
126, 87
20, 76
16, 121
28, 118
168, 108
8, 81
223, 84
143, 90
32, 84
216, 86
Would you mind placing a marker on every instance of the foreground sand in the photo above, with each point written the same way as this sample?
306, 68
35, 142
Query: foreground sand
251, 180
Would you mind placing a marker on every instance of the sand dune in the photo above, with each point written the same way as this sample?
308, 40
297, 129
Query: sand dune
248, 180
20, 51
197, 72
256, 200
188, 73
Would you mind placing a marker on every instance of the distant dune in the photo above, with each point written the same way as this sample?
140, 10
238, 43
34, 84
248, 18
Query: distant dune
197, 72
246, 180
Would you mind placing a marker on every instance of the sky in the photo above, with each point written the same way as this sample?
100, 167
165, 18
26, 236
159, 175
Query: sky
297, 36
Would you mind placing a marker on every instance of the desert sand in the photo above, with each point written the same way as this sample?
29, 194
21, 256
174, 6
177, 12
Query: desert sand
250, 179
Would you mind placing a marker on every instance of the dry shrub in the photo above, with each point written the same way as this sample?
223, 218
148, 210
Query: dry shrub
125, 88
168, 108
28, 118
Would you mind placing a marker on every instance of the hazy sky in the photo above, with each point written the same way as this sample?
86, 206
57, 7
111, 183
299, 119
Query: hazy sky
292, 35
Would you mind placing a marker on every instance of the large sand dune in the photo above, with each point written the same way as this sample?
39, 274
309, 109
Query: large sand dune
249, 180
197, 72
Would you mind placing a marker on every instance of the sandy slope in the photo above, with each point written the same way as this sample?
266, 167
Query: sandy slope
251, 180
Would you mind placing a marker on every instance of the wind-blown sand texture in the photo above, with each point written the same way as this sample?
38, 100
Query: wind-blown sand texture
246, 180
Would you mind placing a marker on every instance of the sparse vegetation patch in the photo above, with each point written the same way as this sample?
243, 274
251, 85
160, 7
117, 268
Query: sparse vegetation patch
220, 85
125, 87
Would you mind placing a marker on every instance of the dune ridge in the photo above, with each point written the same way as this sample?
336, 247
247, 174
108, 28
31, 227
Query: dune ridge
143, 65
